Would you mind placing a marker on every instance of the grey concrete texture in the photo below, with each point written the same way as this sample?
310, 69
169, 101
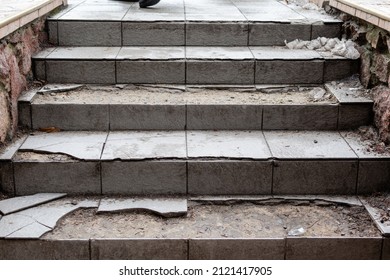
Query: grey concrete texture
139, 249
24, 114
52, 29
9, 151
374, 176
44, 249
339, 69
229, 177
300, 117
68, 177
31, 231
90, 72
7, 183
321, 248
287, 72
355, 115
150, 72
386, 249
225, 117
147, 117
315, 177
153, 33
275, 34
236, 249
144, 178
39, 69
78, 116
109, 33
328, 30
216, 34
219, 72
16, 204
166, 207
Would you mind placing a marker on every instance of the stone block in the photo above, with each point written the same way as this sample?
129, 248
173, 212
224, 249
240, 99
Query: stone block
236, 249
24, 114
53, 31
374, 176
144, 177
153, 33
70, 116
139, 249
289, 72
315, 177
44, 249
275, 34
147, 117
322, 248
150, 72
355, 115
89, 33
328, 30
39, 69
339, 69
7, 177
216, 34
386, 249
300, 117
88, 71
69, 177
220, 72
224, 117
229, 177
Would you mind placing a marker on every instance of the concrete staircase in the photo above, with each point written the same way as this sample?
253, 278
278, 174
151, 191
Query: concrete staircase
193, 98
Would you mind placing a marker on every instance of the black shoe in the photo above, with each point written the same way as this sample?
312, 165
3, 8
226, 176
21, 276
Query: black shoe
147, 3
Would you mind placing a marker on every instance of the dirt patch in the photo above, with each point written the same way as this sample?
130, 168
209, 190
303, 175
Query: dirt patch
167, 95
371, 139
42, 157
243, 220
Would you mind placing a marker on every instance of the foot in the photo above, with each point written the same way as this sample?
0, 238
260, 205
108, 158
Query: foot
147, 3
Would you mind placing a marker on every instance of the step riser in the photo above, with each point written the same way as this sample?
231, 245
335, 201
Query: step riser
115, 33
211, 249
194, 117
244, 72
202, 177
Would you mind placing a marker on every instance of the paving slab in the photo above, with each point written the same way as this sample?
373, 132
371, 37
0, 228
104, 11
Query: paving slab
348, 94
44, 249
151, 53
349, 200
139, 249
16, 204
135, 145
144, 177
166, 207
321, 248
14, 222
236, 249
32, 231
316, 177
80, 145
230, 177
363, 147
215, 17
98, 11
377, 216
230, 198
308, 145
218, 53
87, 53
8, 153
283, 53
227, 144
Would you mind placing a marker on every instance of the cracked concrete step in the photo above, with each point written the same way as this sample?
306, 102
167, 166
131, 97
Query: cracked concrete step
178, 23
178, 108
230, 229
196, 163
190, 65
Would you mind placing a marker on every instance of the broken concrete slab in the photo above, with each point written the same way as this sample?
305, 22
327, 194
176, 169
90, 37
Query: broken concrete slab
8, 153
308, 145
135, 145
16, 204
346, 94
227, 144
166, 207
349, 200
236, 249
14, 222
80, 145
230, 198
32, 231
55, 88
28, 96
375, 213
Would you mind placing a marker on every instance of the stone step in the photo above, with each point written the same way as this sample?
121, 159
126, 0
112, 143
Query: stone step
188, 23
190, 65
256, 227
159, 107
195, 163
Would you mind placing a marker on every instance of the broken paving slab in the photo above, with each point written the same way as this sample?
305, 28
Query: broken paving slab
136, 145
166, 207
227, 144
31, 231
55, 88
80, 145
349, 200
12, 223
16, 204
348, 94
308, 145
10, 150
231, 198
379, 216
